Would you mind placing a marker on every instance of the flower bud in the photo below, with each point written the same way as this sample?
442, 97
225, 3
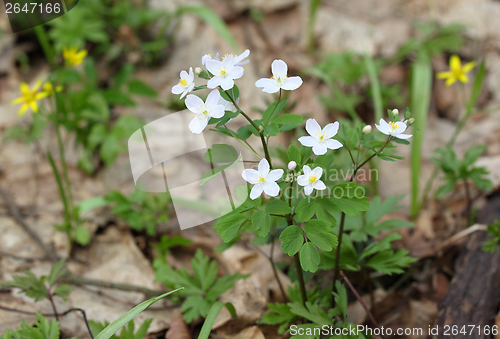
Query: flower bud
395, 112
261, 129
292, 165
367, 129
288, 178
197, 70
411, 121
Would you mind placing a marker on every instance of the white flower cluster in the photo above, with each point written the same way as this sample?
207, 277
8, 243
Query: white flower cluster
222, 72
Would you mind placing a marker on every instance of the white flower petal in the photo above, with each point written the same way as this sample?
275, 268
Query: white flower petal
333, 144
303, 180
272, 189
319, 149
308, 141
263, 82
331, 129
184, 74
271, 88
319, 185
308, 189
317, 172
312, 126
242, 56
307, 170
382, 129
275, 175
401, 127
205, 58
213, 98
264, 167
237, 72
186, 91
218, 111
177, 89
198, 124
292, 83
279, 67
256, 192
193, 102
229, 62
214, 82
226, 84
403, 136
191, 75
250, 175
212, 65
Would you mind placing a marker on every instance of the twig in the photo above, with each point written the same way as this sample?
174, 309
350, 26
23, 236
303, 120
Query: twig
456, 237
17, 257
361, 301
80, 281
14, 211
53, 315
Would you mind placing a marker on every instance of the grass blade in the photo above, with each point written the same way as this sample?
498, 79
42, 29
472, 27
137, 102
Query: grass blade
375, 87
212, 315
420, 93
212, 19
124, 319
313, 11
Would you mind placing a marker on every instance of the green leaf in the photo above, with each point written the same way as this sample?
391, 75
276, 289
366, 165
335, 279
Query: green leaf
212, 315
272, 111
294, 154
138, 87
124, 319
277, 206
221, 153
318, 231
289, 119
272, 129
56, 272
278, 314
309, 257
323, 207
348, 198
473, 154
82, 235
261, 221
228, 226
476, 87
291, 239
212, 19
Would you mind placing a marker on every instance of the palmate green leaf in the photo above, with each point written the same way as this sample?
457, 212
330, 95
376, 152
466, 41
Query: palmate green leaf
493, 242
124, 319
279, 314
204, 270
261, 222
323, 207
228, 226
340, 297
279, 207
42, 329
473, 154
291, 239
29, 284
56, 272
312, 312
380, 246
309, 257
347, 198
390, 262
318, 231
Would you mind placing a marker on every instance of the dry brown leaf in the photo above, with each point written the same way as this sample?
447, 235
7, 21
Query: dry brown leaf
440, 283
178, 329
250, 333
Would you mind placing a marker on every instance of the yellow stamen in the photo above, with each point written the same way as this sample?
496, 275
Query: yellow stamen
313, 179
183, 82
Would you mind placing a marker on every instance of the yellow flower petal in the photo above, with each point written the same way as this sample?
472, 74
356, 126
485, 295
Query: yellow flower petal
469, 66
17, 101
455, 64
24, 88
23, 110
463, 78
451, 81
37, 85
444, 75
34, 106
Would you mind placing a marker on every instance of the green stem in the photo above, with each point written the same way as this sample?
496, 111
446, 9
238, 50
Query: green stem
300, 278
342, 218
261, 134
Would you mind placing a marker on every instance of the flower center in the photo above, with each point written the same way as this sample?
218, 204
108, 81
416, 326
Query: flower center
279, 78
204, 110
393, 125
321, 137
313, 179
183, 82
261, 178
223, 71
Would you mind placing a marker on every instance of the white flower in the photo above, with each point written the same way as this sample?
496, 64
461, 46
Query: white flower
311, 179
204, 110
228, 105
208, 57
263, 180
320, 139
279, 79
224, 73
394, 129
239, 60
367, 129
186, 84
292, 165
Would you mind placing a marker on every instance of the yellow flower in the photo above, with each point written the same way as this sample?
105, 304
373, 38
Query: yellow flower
456, 72
74, 57
29, 97
48, 88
